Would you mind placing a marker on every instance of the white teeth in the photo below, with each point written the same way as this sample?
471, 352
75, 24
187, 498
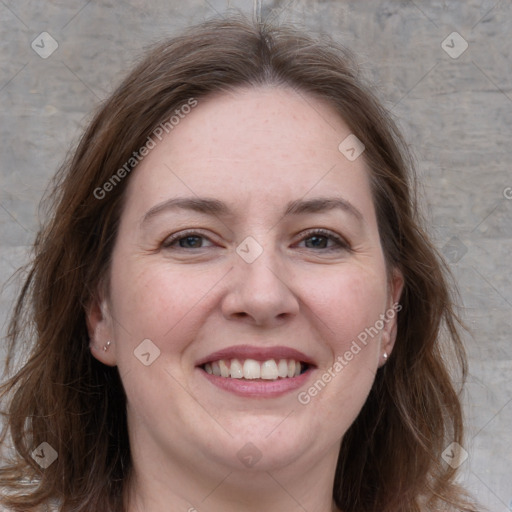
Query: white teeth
216, 368
269, 370
291, 368
282, 368
236, 369
251, 369
224, 370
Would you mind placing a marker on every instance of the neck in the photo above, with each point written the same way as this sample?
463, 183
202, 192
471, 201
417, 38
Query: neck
161, 484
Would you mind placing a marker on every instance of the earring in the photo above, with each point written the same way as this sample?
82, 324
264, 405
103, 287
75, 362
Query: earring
385, 355
105, 347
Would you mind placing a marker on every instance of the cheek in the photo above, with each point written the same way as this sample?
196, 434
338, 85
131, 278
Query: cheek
348, 302
158, 303
346, 307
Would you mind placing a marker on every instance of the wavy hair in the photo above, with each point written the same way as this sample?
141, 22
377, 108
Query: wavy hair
390, 458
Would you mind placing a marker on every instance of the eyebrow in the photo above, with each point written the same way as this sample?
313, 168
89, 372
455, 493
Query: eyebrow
218, 208
322, 204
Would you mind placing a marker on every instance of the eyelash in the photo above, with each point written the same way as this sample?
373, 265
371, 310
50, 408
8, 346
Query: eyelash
340, 243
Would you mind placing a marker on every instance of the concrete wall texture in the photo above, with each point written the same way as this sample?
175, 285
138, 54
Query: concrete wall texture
443, 68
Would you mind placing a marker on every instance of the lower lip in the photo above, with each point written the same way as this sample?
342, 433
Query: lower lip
258, 388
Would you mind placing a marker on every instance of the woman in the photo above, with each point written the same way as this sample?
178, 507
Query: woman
233, 303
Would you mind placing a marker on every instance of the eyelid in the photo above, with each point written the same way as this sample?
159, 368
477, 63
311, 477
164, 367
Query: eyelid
341, 242
169, 240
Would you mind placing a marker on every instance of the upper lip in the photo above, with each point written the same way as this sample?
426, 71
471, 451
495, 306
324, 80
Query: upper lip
257, 353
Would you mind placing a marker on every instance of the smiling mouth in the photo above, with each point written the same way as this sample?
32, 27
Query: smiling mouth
251, 369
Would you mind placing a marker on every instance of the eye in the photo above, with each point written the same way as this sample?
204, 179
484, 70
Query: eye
187, 240
316, 239
323, 239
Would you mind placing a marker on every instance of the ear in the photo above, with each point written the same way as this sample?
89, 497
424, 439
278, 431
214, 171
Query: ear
395, 287
100, 329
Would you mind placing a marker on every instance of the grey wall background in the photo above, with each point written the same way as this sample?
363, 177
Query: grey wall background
455, 109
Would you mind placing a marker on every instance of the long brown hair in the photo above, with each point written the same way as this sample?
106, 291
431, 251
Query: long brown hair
390, 458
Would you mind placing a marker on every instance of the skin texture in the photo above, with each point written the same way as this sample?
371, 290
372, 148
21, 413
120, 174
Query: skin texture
256, 150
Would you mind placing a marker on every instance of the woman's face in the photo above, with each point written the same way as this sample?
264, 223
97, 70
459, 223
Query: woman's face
248, 244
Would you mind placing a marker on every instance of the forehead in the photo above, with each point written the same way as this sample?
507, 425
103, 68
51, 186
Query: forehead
248, 144
262, 122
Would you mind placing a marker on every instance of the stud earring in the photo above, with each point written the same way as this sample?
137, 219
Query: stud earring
385, 355
105, 347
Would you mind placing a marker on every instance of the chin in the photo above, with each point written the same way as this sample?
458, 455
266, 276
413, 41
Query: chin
262, 444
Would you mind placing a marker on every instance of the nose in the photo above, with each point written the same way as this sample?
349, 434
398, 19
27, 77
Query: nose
259, 293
